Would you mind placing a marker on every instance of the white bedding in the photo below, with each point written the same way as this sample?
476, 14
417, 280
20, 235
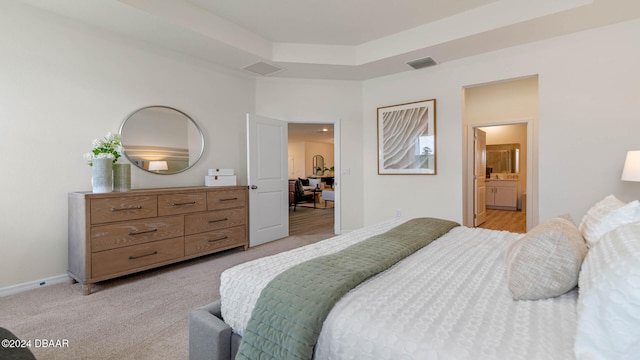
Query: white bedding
449, 300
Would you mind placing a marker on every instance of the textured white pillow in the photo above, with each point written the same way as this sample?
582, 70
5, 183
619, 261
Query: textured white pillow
546, 261
598, 210
609, 299
607, 215
315, 183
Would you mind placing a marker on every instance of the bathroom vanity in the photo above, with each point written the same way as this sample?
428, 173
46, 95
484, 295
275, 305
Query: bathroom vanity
502, 194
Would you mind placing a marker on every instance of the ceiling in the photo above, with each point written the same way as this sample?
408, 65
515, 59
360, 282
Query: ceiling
333, 22
319, 133
338, 39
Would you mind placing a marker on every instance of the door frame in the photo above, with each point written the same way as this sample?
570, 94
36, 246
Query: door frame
337, 204
532, 170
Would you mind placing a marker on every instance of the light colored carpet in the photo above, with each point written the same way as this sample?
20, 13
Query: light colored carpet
141, 316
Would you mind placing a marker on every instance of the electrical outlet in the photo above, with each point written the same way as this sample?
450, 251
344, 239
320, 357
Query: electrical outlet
398, 213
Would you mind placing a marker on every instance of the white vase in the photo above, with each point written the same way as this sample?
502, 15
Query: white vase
102, 179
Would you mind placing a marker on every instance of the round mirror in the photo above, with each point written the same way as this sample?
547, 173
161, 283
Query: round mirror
161, 140
318, 165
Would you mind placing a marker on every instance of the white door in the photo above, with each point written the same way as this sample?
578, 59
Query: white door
479, 172
267, 173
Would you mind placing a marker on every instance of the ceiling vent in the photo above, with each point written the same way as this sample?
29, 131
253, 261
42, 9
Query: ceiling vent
422, 63
262, 68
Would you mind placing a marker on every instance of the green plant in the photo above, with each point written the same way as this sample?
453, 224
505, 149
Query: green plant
109, 147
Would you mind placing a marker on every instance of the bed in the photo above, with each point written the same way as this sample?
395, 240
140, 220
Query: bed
470, 294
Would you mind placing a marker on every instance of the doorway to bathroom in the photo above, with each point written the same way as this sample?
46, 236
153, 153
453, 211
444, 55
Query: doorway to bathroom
505, 177
500, 177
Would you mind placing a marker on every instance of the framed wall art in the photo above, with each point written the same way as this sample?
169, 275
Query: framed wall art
407, 138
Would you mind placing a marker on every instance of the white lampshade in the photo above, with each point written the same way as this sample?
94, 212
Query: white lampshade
158, 165
631, 171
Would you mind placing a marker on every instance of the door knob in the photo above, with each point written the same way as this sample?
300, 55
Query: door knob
253, 187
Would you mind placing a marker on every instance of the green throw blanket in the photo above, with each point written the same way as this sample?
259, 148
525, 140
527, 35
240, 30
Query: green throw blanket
288, 316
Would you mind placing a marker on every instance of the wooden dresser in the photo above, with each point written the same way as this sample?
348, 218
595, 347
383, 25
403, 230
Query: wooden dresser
121, 233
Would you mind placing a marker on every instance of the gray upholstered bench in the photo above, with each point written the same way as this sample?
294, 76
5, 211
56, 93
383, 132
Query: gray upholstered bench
210, 337
13, 348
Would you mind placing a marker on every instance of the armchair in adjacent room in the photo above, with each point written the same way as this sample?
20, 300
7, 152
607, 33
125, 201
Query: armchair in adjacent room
297, 194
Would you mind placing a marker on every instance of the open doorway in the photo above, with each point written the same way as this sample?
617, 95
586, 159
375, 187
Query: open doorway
312, 160
505, 177
507, 112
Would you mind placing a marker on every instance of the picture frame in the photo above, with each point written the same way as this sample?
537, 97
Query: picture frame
407, 138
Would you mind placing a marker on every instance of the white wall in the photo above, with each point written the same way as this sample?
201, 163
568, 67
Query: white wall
297, 152
588, 119
64, 84
502, 101
298, 100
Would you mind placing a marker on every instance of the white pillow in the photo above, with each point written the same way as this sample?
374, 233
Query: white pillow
599, 209
546, 261
609, 300
315, 183
607, 215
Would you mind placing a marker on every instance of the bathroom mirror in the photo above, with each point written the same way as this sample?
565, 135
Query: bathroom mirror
318, 165
503, 158
161, 140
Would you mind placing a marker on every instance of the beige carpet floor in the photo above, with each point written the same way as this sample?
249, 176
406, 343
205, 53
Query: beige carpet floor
141, 316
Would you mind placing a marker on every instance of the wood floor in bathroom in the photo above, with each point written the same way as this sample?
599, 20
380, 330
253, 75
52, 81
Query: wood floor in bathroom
514, 221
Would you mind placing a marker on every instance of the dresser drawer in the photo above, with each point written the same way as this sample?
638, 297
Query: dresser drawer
114, 261
214, 220
123, 208
181, 203
226, 199
215, 240
111, 236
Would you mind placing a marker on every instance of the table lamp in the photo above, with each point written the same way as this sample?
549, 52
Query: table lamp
631, 171
158, 165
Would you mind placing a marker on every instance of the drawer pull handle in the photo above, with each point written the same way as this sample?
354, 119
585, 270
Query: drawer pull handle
214, 240
219, 220
129, 208
143, 232
184, 203
229, 199
141, 256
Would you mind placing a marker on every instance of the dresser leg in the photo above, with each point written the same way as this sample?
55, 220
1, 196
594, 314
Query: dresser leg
87, 289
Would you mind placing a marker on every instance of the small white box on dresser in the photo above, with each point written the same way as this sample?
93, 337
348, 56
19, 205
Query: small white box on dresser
220, 180
220, 177
214, 172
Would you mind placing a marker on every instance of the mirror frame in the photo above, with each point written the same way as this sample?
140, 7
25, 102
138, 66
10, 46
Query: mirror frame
202, 142
316, 159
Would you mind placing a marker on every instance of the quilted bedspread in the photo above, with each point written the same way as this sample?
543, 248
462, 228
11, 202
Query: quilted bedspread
288, 316
449, 300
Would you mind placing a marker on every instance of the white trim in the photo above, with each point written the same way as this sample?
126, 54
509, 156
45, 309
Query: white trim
18, 288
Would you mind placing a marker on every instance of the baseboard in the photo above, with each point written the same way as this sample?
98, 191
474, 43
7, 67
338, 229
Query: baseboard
14, 289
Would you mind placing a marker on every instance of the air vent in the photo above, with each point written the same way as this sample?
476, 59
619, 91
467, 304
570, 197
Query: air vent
422, 63
262, 68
